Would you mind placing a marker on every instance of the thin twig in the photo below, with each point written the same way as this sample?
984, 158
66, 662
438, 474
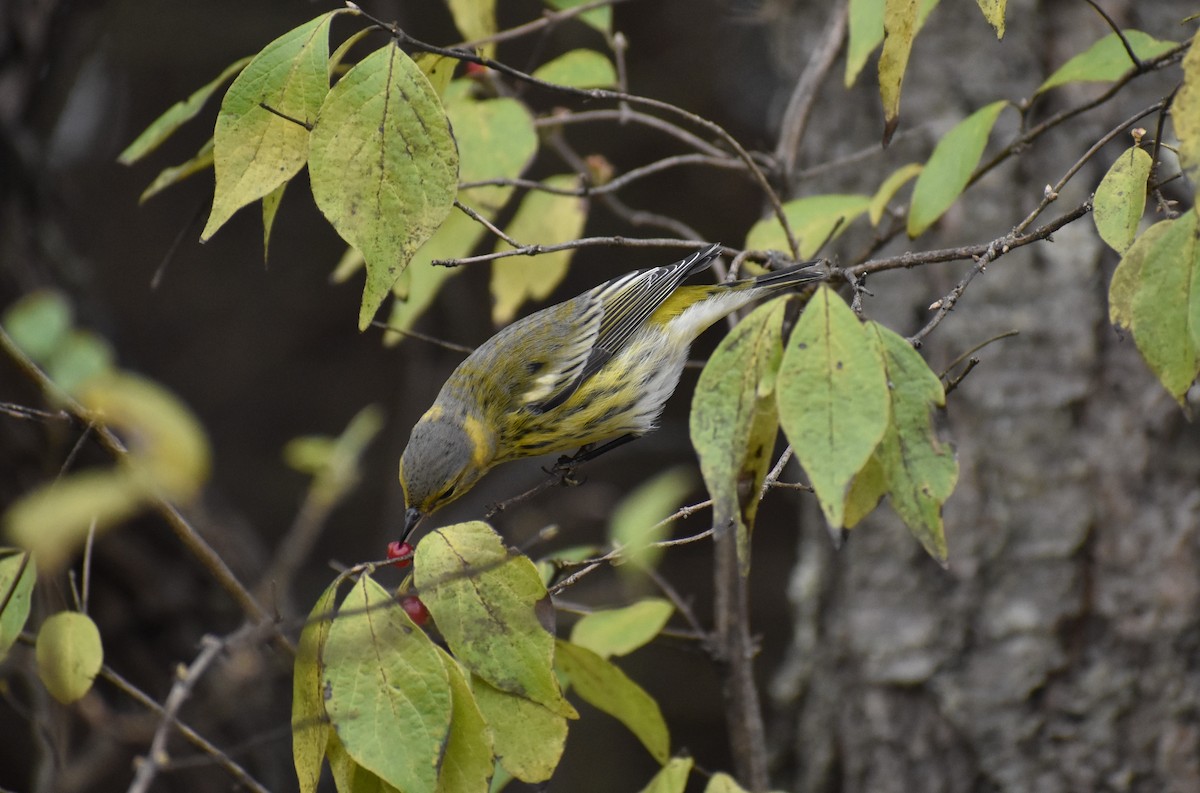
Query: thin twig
994, 250
616, 183
16, 411
1137, 62
487, 224
583, 242
416, 334
549, 19
307, 125
186, 680
1036, 132
624, 116
1164, 206
1051, 194
682, 606
196, 739
187, 534
1005, 335
87, 566
1009, 241
953, 384
800, 105
616, 96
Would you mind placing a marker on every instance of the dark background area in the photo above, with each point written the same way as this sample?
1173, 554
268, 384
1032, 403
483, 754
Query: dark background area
1058, 652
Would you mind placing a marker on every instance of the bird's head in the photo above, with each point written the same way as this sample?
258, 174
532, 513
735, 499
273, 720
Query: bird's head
446, 455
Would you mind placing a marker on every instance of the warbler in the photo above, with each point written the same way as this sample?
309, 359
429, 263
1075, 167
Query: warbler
599, 366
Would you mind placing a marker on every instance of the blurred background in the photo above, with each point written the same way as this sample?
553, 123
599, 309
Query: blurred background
1059, 651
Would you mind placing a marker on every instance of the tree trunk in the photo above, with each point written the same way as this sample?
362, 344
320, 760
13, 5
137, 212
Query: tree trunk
1061, 649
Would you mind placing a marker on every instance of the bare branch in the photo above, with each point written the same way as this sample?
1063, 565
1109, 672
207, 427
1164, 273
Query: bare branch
795, 118
584, 242
626, 115
148, 767
220, 758
416, 334
487, 224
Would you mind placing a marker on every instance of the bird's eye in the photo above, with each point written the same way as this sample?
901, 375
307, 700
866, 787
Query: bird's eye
445, 495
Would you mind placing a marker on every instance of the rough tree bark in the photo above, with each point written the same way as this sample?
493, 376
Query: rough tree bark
1061, 649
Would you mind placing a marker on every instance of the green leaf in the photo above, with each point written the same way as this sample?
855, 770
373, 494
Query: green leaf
17, 577
889, 188
866, 32
485, 601
634, 523
1106, 60
351, 262
270, 205
383, 166
310, 725
1185, 114
815, 220
604, 686
254, 149
176, 116
899, 30
721, 782
993, 12
869, 487
920, 471
1127, 279
53, 520
167, 446
950, 167
528, 739
542, 218
548, 567
1120, 199
672, 778
467, 765
81, 356
349, 776
336, 464
579, 69
621, 631
475, 19
343, 49
387, 691
69, 655
38, 323
599, 18
1166, 307
833, 398
734, 420
496, 140
439, 69
200, 161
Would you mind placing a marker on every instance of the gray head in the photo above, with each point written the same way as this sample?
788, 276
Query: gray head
446, 455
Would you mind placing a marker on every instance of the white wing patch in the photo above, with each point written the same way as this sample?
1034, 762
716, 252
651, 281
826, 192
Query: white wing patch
566, 360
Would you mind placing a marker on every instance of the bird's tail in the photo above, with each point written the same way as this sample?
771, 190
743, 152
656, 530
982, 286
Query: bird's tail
789, 277
697, 262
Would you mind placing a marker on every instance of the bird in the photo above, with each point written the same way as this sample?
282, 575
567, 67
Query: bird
597, 367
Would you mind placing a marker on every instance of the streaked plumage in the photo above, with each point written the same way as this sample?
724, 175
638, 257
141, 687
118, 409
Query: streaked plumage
596, 367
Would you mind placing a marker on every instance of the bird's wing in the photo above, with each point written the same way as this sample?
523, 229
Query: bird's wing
624, 304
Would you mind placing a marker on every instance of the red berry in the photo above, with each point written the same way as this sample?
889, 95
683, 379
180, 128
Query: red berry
400, 552
475, 69
415, 609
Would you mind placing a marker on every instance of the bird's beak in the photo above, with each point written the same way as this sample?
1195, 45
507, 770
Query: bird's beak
411, 518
